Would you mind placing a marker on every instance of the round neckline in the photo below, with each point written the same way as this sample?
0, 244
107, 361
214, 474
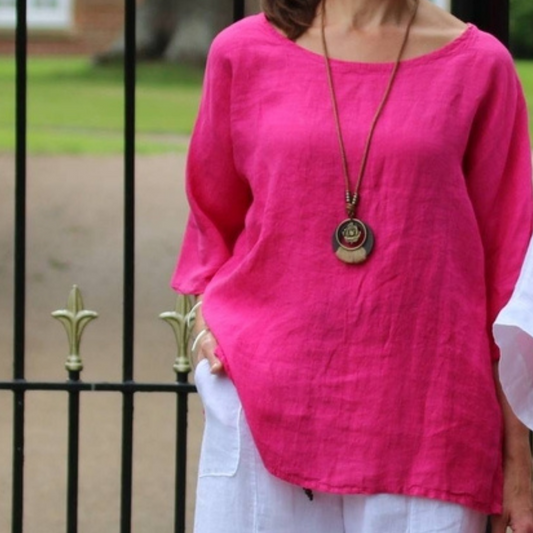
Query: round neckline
382, 65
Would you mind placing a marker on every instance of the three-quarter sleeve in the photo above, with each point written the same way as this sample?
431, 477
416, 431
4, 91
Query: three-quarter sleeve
218, 196
498, 174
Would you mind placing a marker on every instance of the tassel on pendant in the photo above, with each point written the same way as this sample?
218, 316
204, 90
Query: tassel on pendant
351, 257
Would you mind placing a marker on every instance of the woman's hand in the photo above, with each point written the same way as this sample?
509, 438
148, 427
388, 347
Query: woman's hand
206, 350
205, 343
517, 468
517, 500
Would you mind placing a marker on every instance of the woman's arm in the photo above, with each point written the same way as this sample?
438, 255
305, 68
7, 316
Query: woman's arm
206, 345
219, 195
517, 463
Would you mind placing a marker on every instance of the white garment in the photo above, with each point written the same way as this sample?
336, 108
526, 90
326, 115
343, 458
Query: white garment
236, 494
513, 332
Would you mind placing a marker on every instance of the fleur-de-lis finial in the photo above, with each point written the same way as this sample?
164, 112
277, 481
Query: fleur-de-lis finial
181, 321
74, 318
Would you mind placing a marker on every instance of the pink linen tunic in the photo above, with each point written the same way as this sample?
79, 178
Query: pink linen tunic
374, 377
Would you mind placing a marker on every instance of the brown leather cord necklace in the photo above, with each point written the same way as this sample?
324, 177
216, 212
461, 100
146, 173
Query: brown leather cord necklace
353, 240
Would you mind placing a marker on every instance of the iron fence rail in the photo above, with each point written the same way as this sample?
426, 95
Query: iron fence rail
183, 387
19, 312
129, 264
73, 387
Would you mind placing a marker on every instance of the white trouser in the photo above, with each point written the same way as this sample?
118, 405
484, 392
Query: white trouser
236, 494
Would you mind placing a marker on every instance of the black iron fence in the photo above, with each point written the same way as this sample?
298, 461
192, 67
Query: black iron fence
73, 386
490, 15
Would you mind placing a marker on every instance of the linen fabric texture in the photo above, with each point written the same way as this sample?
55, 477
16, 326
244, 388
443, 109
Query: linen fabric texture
236, 494
371, 378
513, 331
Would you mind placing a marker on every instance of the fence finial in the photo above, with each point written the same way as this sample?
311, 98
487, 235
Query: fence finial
74, 318
181, 321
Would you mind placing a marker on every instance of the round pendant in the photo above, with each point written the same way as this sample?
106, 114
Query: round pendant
353, 241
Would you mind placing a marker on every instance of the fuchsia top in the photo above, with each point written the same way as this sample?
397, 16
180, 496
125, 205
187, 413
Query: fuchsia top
374, 377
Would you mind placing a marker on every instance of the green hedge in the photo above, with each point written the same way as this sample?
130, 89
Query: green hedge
521, 22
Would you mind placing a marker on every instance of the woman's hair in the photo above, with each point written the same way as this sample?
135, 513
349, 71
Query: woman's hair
294, 17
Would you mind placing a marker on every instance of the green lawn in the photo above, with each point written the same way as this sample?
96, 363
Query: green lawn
75, 107
525, 71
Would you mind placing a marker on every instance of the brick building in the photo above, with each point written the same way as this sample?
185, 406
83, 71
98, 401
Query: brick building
64, 26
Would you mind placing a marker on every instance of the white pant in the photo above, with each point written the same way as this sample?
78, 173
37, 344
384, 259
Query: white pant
236, 494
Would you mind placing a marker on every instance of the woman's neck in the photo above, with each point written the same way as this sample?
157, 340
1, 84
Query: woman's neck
366, 14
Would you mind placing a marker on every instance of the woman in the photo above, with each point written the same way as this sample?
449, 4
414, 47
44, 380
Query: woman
360, 187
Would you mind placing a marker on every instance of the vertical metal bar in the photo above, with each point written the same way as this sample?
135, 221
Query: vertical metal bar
238, 9
127, 463
463, 9
18, 464
73, 456
498, 19
129, 186
182, 408
20, 190
20, 267
488, 15
129, 263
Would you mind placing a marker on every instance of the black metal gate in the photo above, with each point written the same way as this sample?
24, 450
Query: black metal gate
491, 15
73, 386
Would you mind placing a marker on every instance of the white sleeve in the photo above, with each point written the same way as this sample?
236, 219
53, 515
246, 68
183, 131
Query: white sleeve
513, 332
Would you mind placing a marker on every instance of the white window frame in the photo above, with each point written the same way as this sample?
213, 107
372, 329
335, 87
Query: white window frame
39, 17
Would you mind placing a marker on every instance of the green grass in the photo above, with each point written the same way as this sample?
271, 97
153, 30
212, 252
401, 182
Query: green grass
525, 71
76, 107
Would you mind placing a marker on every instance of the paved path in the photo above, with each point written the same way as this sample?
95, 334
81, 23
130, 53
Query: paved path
75, 236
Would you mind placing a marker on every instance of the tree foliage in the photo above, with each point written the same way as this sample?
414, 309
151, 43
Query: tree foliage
521, 26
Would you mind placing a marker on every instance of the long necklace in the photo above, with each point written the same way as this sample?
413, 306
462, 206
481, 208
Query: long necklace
353, 240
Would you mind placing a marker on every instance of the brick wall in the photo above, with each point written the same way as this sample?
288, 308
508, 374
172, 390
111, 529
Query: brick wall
96, 25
